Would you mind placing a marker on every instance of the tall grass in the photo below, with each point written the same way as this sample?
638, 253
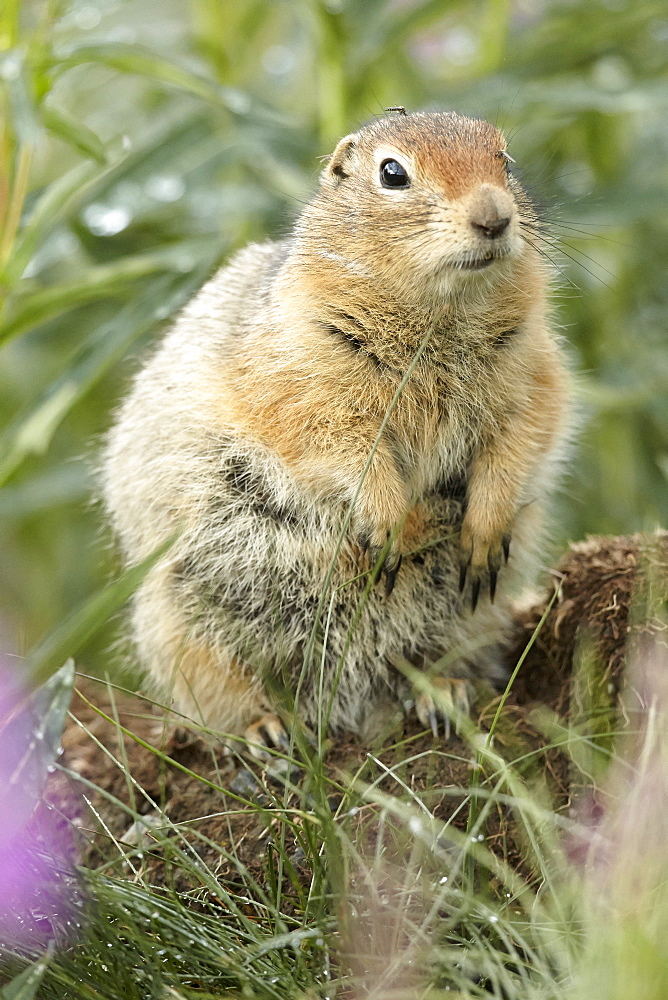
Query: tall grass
362, 891
143, 141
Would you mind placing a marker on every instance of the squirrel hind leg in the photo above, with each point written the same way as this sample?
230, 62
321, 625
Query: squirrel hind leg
225, 696
204, 681
214, 690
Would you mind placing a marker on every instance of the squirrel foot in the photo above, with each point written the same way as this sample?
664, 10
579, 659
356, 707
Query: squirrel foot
451, 696
267, 733
389, 567
476, 559
384, 559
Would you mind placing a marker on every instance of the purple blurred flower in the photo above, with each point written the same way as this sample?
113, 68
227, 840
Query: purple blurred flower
620, 843
38, 884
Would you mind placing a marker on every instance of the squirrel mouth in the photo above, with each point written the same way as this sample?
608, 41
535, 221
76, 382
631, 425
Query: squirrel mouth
478, 263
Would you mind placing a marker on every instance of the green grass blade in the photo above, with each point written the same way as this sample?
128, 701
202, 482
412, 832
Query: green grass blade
25, 985
74, 133
16, 83
68, 637
33, 429
49, 208
142, 61
31, 309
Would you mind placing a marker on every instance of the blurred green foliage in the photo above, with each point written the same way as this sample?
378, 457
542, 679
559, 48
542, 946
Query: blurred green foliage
143, 140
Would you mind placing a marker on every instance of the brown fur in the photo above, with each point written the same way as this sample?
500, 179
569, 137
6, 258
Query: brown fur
294, 353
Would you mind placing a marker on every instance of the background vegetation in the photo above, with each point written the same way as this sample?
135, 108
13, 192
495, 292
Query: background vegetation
143, 140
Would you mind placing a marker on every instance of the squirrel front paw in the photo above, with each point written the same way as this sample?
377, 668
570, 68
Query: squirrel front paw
481, 554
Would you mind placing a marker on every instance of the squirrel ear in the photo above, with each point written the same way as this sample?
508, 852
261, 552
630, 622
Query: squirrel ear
340, 163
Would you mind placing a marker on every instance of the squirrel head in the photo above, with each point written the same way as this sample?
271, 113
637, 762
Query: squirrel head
424, 200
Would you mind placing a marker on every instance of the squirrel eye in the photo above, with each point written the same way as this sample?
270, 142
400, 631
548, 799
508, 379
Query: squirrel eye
393, 175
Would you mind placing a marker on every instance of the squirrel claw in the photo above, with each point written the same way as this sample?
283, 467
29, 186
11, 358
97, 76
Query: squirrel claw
475, 581
483, 562
505, 545
391, 570
475, 592
267, 733
451, 696
432, 718
494, 565
463, 570
384, 561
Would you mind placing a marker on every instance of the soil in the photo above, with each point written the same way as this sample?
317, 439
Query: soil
603, 593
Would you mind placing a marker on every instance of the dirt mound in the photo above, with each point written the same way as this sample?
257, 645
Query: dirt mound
129, 753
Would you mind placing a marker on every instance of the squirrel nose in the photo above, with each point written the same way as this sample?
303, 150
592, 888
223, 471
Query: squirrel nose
490, 227
490, 212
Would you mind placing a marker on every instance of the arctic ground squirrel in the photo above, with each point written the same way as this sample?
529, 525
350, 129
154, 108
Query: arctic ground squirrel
352, 435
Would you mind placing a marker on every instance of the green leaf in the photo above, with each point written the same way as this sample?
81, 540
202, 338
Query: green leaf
50, 703
30, 738
64, 483
86, 620
16, 83
293, 939
74, 132
31, 309
48, 210
45, 712
32, 430
143, 62
25, 985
